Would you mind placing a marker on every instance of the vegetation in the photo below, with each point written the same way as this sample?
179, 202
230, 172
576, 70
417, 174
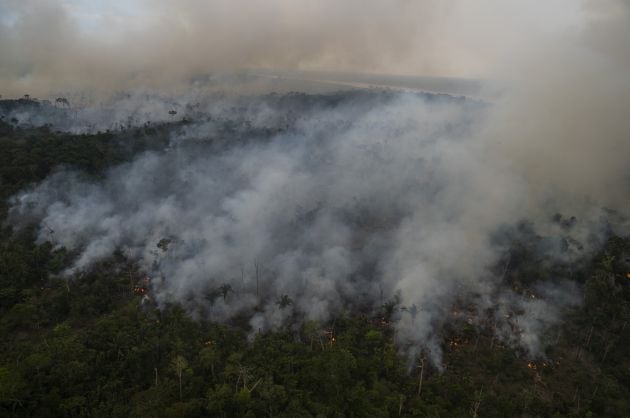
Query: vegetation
90, 347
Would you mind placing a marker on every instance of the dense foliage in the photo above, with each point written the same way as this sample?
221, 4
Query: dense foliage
90, 347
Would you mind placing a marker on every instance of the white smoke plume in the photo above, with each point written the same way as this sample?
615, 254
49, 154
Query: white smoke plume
385, 196
353, 205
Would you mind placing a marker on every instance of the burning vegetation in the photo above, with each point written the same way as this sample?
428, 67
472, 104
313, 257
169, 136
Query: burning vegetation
284, 280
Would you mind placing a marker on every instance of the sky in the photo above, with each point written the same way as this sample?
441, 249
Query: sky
94, 15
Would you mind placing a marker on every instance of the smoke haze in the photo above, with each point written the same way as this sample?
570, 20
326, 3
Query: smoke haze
377, 196
52, 46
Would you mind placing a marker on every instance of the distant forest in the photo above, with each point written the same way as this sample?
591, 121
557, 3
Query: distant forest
88, 346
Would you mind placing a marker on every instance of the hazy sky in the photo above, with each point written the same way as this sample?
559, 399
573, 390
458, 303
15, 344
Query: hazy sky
49, 45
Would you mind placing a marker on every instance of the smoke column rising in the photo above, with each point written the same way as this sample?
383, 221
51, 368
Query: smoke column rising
397, 196
389, 196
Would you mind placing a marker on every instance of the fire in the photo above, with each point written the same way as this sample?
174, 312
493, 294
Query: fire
454, 343
628, 275
330, 333
531, 366
139, 290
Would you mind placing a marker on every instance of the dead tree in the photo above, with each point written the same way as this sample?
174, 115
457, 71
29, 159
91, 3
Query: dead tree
477, 403
244, 375
180, 365
590, 334
257, 278
421, 375
576, 398
608, 347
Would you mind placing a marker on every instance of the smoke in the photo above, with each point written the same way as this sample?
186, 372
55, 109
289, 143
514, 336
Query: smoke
52, 47
84, 115
352, 205
349, 203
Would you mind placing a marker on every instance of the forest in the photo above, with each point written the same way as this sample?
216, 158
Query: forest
94, 344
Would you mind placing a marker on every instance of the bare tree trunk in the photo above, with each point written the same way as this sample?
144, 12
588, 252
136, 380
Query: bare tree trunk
421, 376
595, 392
257, 278
590, 334
608, 347
179, 375
477, 403
255, 384
507, 266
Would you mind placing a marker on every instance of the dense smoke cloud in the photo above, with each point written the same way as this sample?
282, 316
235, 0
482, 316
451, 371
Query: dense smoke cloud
563, 123
56, 46
381, 197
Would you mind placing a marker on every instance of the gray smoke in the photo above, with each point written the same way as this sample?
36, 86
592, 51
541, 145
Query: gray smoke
355, 204
349, 208
50, 47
